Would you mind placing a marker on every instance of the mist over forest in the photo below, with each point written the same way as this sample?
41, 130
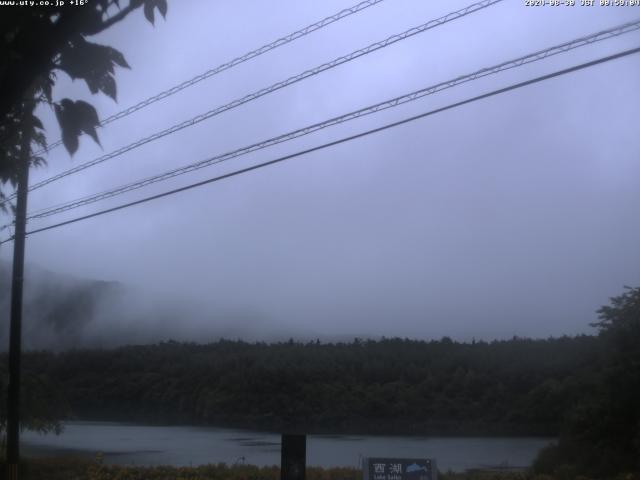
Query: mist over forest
63, 311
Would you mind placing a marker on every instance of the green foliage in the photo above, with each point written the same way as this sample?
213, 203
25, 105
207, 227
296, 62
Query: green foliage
12, 132
43, 405
602, 433
77, 117
93, 63
83, 469
504, 387
151, 5
34, 44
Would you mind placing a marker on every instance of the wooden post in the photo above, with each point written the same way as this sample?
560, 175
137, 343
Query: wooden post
293, 460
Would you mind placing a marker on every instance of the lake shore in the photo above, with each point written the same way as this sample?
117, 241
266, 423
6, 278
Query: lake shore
140, 445
379, 427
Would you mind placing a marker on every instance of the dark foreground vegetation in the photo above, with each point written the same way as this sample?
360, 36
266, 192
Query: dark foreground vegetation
585, 390
80, 469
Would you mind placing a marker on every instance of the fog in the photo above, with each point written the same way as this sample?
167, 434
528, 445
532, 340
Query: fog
515, 215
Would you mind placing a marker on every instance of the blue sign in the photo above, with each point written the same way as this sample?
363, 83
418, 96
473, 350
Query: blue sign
399, 469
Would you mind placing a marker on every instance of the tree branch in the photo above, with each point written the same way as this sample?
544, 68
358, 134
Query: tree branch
36, 60
116, 18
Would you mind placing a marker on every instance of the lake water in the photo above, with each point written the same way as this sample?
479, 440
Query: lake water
127, 444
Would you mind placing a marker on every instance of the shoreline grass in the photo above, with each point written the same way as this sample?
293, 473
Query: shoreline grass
78, 468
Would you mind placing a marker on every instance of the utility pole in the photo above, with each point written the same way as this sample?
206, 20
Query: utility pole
15, 328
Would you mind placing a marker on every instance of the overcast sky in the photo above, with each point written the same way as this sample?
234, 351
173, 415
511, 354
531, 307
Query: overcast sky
516, 215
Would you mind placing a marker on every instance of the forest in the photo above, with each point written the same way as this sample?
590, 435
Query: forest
520, 386
585, 390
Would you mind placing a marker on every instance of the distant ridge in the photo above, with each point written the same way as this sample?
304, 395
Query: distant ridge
63, 311
57, 307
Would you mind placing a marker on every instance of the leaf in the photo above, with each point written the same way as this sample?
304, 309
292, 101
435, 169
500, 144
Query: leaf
59, 109
91, 21
94, 64
92, 83
162, 7
47, 86
118, 58
75, 118
70, 141
36, 122
108, 86
38, 161
70, 130
151, 5
87, 119
148, 10
79, 59
39, 138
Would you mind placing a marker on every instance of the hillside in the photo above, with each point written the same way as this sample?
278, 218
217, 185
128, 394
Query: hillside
58, 308
63, 311
518, 386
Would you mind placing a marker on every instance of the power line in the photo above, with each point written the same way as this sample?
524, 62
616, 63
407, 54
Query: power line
277, 86
347, 139
11, 236
232, 63
530, 58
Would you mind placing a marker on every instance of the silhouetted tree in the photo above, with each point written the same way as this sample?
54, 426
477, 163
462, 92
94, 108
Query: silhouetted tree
601, 435
35, 42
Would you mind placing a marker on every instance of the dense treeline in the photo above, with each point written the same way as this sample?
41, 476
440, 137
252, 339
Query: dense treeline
518, 386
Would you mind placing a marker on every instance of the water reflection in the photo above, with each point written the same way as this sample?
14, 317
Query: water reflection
127, 444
